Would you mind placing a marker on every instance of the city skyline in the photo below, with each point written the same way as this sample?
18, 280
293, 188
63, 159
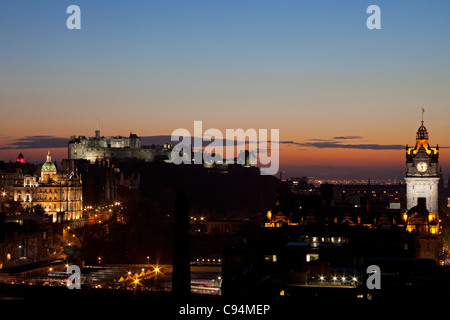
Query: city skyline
342, 96
212, 158
389, 159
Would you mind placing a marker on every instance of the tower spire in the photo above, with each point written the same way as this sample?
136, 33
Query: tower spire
423, 111
97, 132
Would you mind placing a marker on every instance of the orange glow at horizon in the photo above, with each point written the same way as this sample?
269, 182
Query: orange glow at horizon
350, 157
341, 157
289, 156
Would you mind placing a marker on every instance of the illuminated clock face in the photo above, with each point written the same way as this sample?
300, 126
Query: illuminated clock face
422, 167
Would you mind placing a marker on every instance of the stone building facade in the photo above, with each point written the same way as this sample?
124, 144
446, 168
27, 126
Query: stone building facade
119, 148
59, 194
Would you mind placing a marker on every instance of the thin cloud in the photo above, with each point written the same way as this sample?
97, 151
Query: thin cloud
365, 146
319, 140
348, 138
49, 142
339, 145
35, 142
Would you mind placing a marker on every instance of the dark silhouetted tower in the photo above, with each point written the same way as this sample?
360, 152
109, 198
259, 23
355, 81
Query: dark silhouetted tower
181, 276
21, 158
327, 196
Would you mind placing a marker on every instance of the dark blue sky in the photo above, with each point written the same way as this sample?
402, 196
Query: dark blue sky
309, 68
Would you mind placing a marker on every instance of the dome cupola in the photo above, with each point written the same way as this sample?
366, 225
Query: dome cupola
422, 133
49, 165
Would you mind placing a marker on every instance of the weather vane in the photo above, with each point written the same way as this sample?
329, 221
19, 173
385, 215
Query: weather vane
423, 111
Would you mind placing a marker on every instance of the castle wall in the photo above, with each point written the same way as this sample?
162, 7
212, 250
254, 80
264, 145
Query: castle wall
120, 148
92, 154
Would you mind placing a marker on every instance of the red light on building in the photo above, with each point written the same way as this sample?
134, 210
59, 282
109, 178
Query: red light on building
21, 158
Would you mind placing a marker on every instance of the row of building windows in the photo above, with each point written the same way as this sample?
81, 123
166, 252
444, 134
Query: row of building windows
40, 196
373, 191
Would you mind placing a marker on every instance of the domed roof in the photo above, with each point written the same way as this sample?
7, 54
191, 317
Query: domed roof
49, 165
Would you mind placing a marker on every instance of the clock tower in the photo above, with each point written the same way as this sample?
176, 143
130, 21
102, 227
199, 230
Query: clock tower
422, 173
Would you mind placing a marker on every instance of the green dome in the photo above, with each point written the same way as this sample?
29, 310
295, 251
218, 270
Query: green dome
49, 165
